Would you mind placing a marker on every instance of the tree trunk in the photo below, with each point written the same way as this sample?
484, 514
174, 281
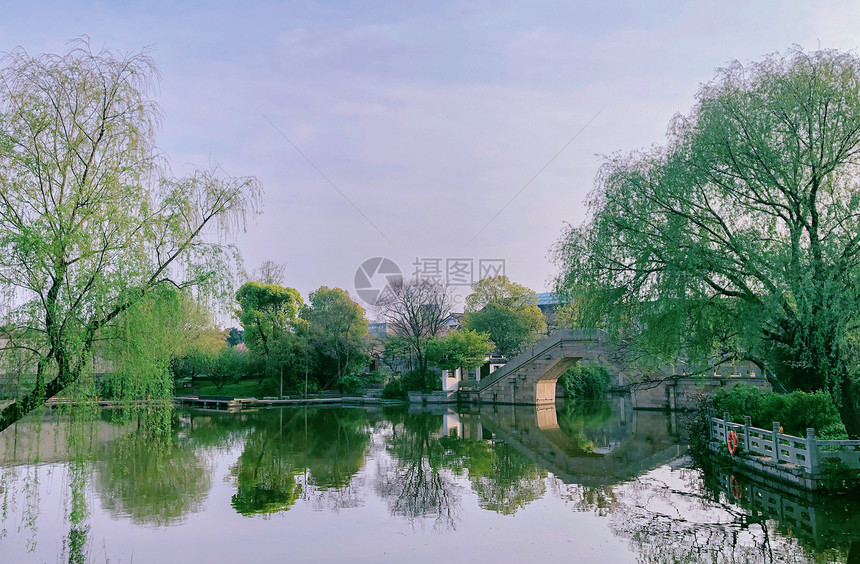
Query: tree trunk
15, 411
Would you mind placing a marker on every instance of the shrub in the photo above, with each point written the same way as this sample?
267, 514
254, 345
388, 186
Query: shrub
297, 388
394, 389
795, 411
350, 384
586, 381
415, 381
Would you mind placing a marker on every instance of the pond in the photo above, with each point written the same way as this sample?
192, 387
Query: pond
594, 482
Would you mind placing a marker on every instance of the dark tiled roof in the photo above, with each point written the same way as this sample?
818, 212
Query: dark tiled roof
547, 299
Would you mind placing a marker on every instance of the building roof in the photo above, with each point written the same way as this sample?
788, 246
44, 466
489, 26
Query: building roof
548, 299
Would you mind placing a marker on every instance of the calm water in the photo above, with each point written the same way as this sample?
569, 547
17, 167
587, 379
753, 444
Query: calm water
587, 483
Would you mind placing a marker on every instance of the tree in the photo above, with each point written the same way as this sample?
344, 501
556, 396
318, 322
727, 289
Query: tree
270, 272
337, 327
291, 360
416, 310
398, 354
159, 332
90, 223
459, 349
741, 236
229, 365
508, 312
266, 311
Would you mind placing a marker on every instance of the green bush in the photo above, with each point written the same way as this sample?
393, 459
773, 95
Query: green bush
394, 389
586, 381
415, 381
795, 411
297, 388
350, 384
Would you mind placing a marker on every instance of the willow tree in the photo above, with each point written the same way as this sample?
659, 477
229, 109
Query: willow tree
90, 220
740, 236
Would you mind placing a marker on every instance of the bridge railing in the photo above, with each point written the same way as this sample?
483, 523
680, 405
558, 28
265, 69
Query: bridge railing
806, 452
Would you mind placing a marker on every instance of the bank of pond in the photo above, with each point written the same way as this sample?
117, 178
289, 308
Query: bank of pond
586, 481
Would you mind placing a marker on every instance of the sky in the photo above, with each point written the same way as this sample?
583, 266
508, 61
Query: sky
466, 133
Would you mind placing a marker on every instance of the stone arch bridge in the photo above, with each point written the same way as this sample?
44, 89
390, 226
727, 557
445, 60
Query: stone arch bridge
531, 377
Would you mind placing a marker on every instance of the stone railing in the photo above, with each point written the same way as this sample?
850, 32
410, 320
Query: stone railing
807, 453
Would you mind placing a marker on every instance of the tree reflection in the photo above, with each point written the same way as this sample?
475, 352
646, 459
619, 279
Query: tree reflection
266, 477
293, 453
504, 479
151, 474
337, 447
76, 545
588, 424
413, 481
691, 523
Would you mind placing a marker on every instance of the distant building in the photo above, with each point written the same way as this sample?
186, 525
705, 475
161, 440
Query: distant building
379, 328
454, 321
548, 303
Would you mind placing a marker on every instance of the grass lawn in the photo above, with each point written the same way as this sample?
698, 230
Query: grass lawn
240, 389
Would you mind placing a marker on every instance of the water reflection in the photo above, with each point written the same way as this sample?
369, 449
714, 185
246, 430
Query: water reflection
452, 470
154, 474
322, 448
412, 480
818, 521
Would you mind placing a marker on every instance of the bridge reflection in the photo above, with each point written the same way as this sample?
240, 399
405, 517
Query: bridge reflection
596, 444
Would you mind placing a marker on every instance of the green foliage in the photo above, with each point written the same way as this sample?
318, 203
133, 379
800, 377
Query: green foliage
144, 342
291, 355
395, 390
504, 479
414, 381
795, 411
151, 475
350, 384
586, 381
194, 365
337, 327
584, 422
266, 312
459, 349
508, 312
737, 237
695, 425
397, 354
265, 477
231, 365
328, 445
837, 477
